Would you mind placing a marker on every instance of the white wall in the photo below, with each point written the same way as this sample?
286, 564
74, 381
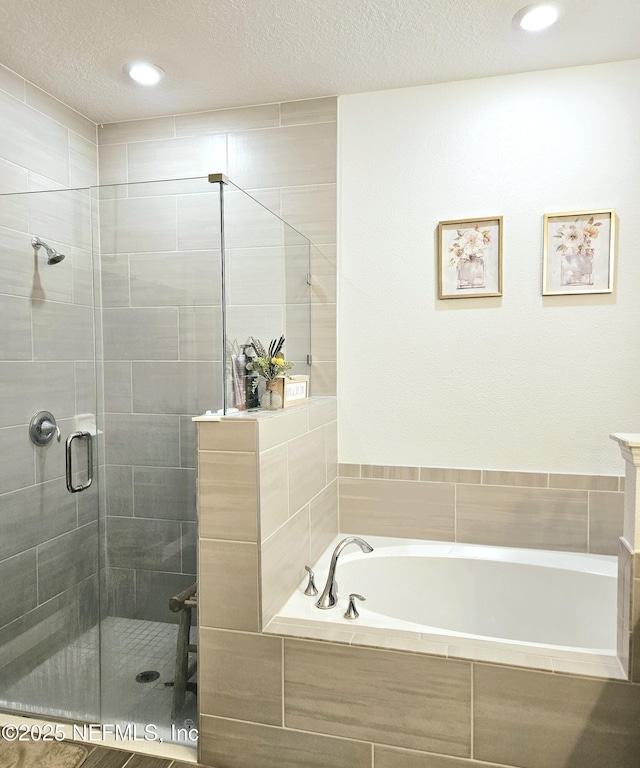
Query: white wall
521, 382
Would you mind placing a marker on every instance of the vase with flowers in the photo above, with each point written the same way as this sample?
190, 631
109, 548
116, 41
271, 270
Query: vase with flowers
467, 256
270, 364
576, 251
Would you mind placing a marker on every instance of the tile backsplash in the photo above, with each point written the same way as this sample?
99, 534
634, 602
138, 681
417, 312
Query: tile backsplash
577, 513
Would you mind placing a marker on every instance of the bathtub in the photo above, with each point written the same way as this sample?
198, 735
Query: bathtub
535, 608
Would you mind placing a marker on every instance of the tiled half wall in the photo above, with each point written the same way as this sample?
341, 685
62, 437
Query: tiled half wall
268, 506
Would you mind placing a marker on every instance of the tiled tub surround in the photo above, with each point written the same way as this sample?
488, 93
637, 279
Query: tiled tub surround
532, 608
283, 154
550, 511
573, 513
285, 702
48, 544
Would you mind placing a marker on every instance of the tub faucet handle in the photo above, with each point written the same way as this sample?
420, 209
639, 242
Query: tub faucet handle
311, 589
352, 612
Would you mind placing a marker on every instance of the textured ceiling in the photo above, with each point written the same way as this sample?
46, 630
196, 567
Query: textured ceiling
225, 53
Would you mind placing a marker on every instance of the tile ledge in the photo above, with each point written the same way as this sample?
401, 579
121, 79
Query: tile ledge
261, 415
208, 416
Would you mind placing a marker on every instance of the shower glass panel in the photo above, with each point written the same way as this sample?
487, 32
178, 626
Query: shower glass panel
161, 317
49, 537
266, 287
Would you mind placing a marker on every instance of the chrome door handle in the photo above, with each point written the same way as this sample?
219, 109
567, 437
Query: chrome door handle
79, 436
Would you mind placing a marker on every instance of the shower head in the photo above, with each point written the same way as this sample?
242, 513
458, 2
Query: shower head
53, 257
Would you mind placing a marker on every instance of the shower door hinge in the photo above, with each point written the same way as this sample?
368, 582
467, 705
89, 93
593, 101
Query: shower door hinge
218, 178
308, 278
309, 359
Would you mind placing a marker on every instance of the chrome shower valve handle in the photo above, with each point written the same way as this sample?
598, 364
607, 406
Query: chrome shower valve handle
43, 427
352, 611
311, 589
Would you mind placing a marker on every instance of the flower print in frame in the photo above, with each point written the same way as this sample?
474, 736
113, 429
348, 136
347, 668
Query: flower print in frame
470, 258
578, 252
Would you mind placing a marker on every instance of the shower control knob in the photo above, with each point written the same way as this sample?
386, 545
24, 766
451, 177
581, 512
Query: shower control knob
43, 427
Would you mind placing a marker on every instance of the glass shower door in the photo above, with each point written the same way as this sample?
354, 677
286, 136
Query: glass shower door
161, 317
49, 538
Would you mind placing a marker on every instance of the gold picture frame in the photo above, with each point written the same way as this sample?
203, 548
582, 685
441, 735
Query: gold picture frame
470, 258
578, 252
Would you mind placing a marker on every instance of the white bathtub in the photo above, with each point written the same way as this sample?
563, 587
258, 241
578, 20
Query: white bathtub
534, 608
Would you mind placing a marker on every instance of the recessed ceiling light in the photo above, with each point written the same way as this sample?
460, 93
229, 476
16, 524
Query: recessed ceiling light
536, 17
143, 73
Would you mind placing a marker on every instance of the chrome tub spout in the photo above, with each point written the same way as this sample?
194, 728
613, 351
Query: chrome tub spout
329, 596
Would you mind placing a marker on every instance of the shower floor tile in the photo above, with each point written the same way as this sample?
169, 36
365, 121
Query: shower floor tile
66, 686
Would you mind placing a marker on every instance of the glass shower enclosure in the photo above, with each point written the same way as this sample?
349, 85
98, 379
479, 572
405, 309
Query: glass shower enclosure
105, 357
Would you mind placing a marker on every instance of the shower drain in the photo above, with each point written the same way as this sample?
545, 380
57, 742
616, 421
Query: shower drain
147, 677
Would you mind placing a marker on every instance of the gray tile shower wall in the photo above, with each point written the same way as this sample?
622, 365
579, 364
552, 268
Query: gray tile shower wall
162, 350
284, 155
575, 513
46, 362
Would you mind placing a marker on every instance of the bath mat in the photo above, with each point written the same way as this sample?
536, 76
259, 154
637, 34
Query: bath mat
41, 754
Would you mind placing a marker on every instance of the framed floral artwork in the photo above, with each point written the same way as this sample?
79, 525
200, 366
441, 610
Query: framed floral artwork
470, 258
578, 252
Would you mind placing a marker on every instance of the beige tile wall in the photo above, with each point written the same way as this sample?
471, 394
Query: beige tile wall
283, 154
292, 703
309, 437
537, 720
228, 544
417, 701
578, 513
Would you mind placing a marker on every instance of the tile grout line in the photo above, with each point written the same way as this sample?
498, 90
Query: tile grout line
282, 639
455, 512
471, 711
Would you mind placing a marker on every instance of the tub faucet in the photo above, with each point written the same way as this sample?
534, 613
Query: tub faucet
329, 596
